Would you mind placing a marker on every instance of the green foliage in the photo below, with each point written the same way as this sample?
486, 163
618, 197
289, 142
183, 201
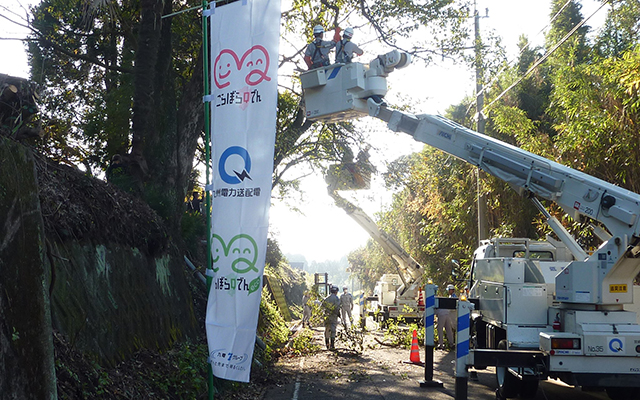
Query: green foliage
620, 32
430, 218
15, 335
596, 116
317, 313
575, 48
191, 362
303, 343
194, 231
369, 263
180, 373
352, 338
399, 333
272, 328
161, 199
84, 59
292, 280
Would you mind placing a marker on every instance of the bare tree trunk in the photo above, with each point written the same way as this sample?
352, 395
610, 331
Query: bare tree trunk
144, 105
190, 125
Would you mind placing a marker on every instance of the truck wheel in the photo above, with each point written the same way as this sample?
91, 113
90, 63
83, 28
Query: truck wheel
508, 384
479, 336
623, 393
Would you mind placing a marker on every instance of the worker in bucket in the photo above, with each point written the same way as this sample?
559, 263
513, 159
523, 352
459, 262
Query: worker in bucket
345, 48
317, 53
346, 306
446, 320
331, 308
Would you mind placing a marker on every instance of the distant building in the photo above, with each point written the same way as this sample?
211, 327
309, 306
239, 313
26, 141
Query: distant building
297, 264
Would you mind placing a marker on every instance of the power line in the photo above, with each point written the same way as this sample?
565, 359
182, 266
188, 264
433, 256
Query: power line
524, 48
546, 55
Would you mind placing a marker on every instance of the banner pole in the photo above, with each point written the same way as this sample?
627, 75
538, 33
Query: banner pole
243, 52
207, 150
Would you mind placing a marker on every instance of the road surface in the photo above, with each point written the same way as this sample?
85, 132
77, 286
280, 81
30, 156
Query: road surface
383, 373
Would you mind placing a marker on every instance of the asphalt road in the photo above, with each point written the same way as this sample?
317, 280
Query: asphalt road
384, 373
370, 378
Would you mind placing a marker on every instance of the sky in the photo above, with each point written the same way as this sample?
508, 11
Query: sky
324, 231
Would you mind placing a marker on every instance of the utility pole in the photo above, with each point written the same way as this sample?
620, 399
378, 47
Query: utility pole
483, 228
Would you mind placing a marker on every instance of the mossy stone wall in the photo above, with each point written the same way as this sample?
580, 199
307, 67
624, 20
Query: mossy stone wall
81, 258
111, 300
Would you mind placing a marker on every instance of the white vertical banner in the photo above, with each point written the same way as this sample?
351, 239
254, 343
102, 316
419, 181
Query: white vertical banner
244, 67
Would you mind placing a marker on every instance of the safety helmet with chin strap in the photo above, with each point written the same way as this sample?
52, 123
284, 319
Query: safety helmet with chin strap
348, 33
318, 29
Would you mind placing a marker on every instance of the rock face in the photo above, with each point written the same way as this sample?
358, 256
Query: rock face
87, 259
26, 346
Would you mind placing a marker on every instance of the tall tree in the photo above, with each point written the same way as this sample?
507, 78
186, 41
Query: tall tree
621, 31
124, 77
565, 17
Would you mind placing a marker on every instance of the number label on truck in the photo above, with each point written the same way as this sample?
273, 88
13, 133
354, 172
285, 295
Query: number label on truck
595, 349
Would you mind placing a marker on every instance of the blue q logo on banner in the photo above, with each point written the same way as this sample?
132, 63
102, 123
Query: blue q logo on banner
239, 175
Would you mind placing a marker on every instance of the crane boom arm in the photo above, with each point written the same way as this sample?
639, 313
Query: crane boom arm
617, 261
345, 91
406, 263
576, 192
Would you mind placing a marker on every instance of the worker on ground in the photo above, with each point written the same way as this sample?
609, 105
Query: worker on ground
345, 48
317, 53
331, 307
195, 205
346, 306
446, 321
306, 309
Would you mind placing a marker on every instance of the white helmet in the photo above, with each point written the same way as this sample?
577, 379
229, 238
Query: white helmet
348, 33
318, 29
451, 287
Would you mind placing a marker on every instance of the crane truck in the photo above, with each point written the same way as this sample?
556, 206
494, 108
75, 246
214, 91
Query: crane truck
395, 295
545, 308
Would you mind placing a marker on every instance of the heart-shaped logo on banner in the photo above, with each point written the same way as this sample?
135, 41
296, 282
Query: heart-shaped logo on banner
241, 252
252, 67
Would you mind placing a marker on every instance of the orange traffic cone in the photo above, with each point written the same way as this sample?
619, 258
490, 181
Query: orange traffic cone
420, 298
414, 357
